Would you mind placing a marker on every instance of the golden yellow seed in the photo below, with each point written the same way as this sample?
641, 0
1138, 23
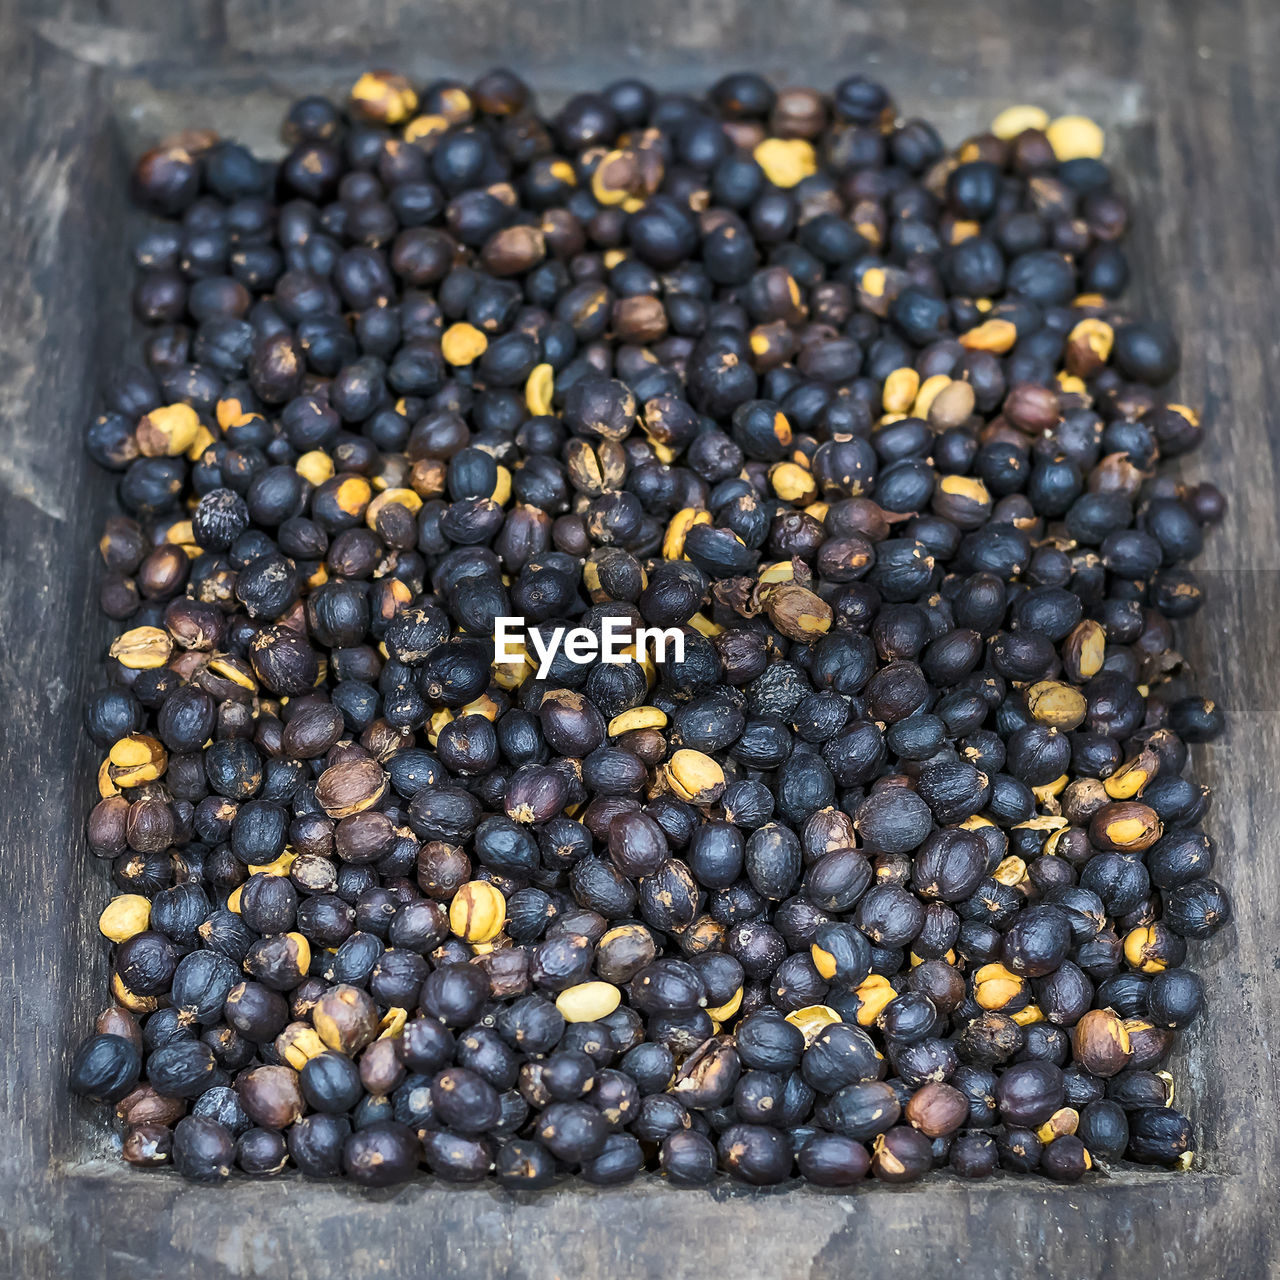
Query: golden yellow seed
873, 993
426, 126
976, 823
1018, 119
353, 495
614, 256
1090, 639
142, 648
406, 498
783, 571
678, 529
1012, 870
900, 389
1096, 334
996, 335
562, 171
437, 723
964, 229
301, 1044
180, 534
204, 438
539, 388
136, 759
823, 961
694, 776
786, 161
229, 412
131, 999
280, 867
1050, 848
605, 193
994, 986
1136, 942
929, 391
502, 487
168, 431
637, 718
759, 342
391, 1024
723, 1012
229, 668
481, 706
303, 949
966, 487
384, 96
588, 1001
792, 482
478, 912
511, 675
1025, 1017
704, 626
1168, 1087
812, 1020
983, 304
124, 916
873, 282
1125, 831
1131, 778
463, 343
233, 899
1059, 705
1075, 138
1061, 1124
106, 787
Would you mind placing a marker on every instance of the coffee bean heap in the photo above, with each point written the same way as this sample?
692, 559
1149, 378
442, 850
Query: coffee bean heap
897, 869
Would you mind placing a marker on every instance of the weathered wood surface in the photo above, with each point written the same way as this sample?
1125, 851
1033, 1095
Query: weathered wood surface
1190, 96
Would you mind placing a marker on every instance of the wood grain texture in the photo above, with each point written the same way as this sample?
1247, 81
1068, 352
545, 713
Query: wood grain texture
1191, 101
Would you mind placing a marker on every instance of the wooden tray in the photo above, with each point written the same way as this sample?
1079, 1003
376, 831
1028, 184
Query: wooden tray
1190, 99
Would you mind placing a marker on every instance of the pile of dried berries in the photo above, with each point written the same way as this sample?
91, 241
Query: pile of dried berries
896, 870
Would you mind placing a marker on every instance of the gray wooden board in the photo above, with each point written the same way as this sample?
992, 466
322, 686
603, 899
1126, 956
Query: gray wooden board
1191, 100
